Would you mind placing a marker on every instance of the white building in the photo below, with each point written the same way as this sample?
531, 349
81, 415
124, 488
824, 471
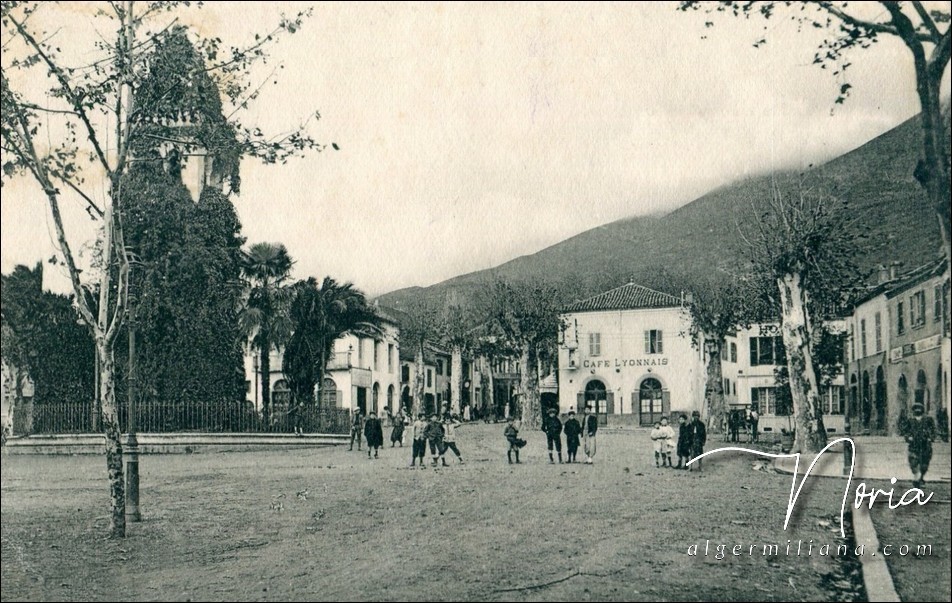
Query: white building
749, 361
362, 372
628, 352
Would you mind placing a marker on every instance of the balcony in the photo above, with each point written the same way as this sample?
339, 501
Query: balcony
339, 362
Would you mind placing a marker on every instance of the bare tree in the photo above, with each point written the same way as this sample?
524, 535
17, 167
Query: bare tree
802, 252
79, 134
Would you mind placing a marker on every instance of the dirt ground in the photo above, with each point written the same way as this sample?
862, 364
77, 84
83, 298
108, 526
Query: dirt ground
375, 530
917, 577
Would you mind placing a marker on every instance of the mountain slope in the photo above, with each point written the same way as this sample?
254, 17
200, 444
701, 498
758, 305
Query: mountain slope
702, 236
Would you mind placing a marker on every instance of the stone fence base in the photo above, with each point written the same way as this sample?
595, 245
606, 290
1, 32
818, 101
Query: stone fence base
169, 443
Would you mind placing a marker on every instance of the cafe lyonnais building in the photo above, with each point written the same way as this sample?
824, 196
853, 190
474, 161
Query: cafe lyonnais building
628, 353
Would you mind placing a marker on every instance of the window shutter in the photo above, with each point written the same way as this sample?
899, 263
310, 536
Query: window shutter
660, 343
665, 402
609, 402
647, 342
634, 402
753, 351
579, 402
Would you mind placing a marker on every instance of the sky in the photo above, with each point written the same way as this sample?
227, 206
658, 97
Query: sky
470, 135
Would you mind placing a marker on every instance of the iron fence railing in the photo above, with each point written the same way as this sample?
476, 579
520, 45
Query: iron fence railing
208, 417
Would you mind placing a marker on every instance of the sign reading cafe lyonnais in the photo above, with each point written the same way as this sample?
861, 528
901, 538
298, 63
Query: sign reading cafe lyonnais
623, 362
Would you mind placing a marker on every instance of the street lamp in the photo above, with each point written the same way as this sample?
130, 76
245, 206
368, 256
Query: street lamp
132, 442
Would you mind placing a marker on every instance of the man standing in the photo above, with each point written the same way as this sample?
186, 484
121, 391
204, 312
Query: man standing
356, 428
754, 419
698, 434
373, 431
589, 428
920, 433
552, 427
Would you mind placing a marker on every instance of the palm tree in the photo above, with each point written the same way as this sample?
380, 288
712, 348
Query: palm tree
320, 315
265, 317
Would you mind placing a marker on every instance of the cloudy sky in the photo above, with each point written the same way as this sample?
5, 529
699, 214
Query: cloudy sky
470, 135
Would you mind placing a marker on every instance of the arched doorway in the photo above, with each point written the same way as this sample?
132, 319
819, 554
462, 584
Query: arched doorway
650, 401
880, 400
903, 395
429, 404
596, 395
922, 391
866, 401
549, 400
375, 399
406, 400
280, 397
390, 399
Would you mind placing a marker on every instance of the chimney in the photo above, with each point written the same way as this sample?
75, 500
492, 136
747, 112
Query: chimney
894, 270
883, 274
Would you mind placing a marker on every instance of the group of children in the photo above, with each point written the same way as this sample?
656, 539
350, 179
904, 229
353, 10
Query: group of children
440, 434
576, 433
691, 439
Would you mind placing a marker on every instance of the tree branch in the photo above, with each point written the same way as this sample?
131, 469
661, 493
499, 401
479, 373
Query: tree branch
57, 71
927, 21
851, 20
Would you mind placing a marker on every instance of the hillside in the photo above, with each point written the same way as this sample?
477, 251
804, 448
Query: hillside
702, 236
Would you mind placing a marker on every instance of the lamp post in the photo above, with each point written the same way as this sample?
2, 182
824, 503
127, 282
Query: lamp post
132, 442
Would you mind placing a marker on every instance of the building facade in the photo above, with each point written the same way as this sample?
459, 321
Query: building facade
628, 353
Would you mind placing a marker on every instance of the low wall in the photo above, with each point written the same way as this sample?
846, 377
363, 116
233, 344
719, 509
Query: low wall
169, 443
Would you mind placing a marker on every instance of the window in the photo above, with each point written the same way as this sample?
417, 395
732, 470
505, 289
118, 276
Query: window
734, 353
917, 309
900, 318
594, 344
439, 367
390, 358
405, 373
765, 399
937, 304
852, 354
767, 351
723, 353
429, 377
449, 369
862, 338
835, 400
653, 342
727, 387
878, 320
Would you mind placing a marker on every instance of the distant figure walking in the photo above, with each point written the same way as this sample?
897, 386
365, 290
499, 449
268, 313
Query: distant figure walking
573, 429
552, 427
373, 431
589, 430
356, 428
920, 433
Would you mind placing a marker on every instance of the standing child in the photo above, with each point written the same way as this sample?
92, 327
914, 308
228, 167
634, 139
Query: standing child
419, 441
573, 429
667, 444
449, 437
589, 431
373, 431
434, 433
512, 436
657, 441
356, 428
698, 437
684, 442
397, 434
552, 427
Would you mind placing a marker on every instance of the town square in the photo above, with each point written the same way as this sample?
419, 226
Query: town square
476, 301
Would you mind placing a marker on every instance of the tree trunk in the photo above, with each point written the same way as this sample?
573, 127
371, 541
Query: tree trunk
113, 432
714, 391
420, 381
489, 389
456, 383
529, 391
804, 391
265, 355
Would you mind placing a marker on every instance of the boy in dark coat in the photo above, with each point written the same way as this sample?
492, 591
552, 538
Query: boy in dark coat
552, 427
356, 428
373, 431
573, 429
434, 435
684, 442
698, 436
